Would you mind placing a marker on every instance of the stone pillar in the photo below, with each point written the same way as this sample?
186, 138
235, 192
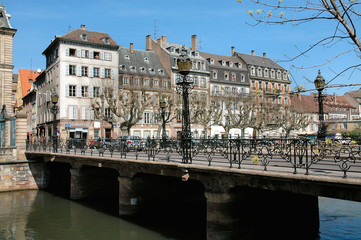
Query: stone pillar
128, 201
79, 184
222, 219
21, 135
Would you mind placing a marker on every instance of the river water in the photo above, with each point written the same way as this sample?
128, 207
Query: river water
41, 215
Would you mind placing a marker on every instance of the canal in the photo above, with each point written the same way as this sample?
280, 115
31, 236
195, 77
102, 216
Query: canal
42, 215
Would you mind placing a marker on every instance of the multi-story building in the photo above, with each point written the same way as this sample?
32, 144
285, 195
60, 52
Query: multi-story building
140, 72
168, 53
78, 65
24, 82
269, 81
6, 60
228, 78
354, 98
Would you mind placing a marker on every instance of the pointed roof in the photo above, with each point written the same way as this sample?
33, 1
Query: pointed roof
27, 77
84, 36
306, 103
258, 61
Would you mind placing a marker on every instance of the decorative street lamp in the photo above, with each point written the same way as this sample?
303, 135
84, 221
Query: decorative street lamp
163, 105
54, 109
184, 85
320, 85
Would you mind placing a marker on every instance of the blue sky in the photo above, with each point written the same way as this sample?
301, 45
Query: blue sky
218, 25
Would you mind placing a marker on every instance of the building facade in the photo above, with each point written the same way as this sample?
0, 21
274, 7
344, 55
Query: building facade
79, 65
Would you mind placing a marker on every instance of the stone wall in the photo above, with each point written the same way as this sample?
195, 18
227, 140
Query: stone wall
16, 176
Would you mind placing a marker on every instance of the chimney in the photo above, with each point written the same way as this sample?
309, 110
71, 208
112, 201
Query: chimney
232, 48
131, 48
264, 55
194, 42
164, 39
82, 27
148, 43
252, 52
335, 98
160, 41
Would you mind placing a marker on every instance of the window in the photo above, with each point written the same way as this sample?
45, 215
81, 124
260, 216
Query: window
214, 75
107, 112
72, 52
108, 56
84, 71
165, 84
125, 80
96, 91
72, 90
132, 68
83, 37
253, 71
96, 72
84, 113
84, 91
266, 73
142, 69
226, 76
122, 67
146, 59
72, 112
242, 78
151, 70
136, 81
146, 82
72, 70
84, 53
155, 83
272, 73
259, 72
147, 118
211, 61
106, 40
203, 82
161, 71
107, 73
97, 55
233, 77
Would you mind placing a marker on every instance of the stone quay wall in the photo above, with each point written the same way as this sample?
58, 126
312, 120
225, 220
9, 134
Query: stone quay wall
15, 175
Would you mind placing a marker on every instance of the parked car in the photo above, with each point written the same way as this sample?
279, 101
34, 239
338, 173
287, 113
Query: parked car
130, 142
103, 143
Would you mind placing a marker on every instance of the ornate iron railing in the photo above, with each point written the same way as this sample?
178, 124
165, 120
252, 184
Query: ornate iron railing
295, 156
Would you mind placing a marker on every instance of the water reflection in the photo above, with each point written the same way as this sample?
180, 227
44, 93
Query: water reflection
40, 215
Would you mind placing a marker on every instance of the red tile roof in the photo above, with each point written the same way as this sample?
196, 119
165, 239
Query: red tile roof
26, 79
92, 37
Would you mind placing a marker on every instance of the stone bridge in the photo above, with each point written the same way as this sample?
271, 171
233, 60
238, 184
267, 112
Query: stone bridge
232, 203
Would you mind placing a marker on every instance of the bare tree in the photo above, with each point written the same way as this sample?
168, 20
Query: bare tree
128, 106
343, 14
293, 120
202, 113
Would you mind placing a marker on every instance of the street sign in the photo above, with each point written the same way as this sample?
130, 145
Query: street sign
67, 125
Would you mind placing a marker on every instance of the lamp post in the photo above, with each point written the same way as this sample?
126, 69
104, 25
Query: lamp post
320, 85
184, 85
162, 105
54, 109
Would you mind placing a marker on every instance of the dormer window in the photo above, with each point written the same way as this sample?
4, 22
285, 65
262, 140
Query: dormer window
83, 37
132, 68
230, 64
146, 59
122, 67
161, 71
151, 70
142, 69
223, 63
211, 61
126, 56
105, 40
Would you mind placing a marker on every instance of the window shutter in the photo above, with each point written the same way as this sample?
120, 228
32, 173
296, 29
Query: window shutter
66, 90
83, 53
92, 114
91, 72
91, 91
113, 74
101, 56
78, 71
78, 53
67, 52
67, 69
102, 73
78, 90
91, 54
